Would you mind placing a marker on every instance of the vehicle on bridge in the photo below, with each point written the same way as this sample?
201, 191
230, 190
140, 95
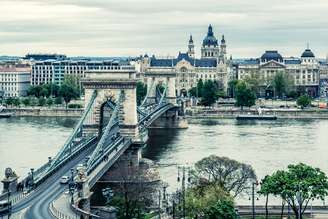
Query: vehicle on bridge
64, 179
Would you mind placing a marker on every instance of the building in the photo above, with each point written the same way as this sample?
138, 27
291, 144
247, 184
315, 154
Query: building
14, 80
304, 72
53, 71
213, 64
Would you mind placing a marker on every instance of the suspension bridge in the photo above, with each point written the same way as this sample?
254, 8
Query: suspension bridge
112, 123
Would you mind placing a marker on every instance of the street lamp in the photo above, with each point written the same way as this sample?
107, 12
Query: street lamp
253, 198
32, 177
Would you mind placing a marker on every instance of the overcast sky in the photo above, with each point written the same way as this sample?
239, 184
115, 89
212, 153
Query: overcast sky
162, 27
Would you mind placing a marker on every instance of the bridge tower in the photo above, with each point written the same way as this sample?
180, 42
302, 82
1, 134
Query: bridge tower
109, 84
161, 78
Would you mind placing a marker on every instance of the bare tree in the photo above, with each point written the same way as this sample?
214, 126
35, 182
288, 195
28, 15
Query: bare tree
233, 176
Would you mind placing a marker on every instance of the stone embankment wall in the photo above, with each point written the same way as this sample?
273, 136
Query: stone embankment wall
56, 112
204, 113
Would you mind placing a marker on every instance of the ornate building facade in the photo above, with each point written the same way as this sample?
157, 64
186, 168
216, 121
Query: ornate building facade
304, 72
213, 64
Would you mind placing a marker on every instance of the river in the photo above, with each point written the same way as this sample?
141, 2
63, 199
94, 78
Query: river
26, 142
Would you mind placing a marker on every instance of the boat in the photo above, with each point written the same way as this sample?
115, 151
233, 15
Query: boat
256, 117
4, 114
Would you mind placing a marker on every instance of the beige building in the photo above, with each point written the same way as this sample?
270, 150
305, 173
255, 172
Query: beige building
213, 64
304, 72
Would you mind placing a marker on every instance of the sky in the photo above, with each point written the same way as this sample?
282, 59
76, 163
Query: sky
161, 27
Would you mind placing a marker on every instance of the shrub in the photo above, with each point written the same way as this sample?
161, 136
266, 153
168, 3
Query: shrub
75, 106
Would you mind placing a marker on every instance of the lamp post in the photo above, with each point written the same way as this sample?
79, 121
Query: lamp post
253, 198
185, 175
32, 177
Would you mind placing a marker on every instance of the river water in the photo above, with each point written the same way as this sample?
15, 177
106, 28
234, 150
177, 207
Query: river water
26, 142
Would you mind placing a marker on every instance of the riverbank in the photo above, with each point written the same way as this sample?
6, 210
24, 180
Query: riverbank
45, 112
231, 113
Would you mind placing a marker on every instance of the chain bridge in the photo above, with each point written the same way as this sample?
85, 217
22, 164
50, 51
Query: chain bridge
112, 126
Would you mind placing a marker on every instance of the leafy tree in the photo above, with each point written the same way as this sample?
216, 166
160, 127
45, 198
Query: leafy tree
281, 84
41, 101
231, 175
232, 87
49, 102
193, 91
209, 93
244, 95
9, 101
141, 92
254, 82
34, 91
58, 100
16, 102
68, 92
297, 186
303, 101
26, 101
200, 85
209, 202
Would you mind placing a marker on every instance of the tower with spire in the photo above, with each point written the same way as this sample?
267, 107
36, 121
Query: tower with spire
210, 47
223, 51
191, 48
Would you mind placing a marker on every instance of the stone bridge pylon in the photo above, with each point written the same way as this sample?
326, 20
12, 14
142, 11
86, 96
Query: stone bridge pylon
108, 86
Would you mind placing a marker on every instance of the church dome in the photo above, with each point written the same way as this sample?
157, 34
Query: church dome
271, 55
308, 54
210, 39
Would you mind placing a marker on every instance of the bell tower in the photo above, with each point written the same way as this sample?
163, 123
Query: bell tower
191, 48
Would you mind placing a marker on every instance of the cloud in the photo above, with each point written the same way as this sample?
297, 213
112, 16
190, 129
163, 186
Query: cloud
132, 27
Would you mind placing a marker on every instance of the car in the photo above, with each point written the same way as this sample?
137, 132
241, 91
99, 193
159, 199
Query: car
64, 179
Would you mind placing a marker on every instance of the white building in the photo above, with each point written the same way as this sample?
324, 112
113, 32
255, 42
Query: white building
14, 80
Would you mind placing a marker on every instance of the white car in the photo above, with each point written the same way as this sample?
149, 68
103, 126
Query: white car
64, 179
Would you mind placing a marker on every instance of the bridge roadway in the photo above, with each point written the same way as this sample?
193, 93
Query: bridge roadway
38, 201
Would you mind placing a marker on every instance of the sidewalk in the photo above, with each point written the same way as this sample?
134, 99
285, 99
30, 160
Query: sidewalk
61, 207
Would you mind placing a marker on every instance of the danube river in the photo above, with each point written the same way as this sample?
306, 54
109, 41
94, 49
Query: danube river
266, 145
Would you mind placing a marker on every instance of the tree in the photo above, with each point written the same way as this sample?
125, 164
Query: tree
244, 95
297, 186
34, 91
231, 175
68, 92
41, 101
9, 101
232, 87
16, 102
200, 86
254, 82
193, 91
26, 101
141, 92
209, 202
209, 93
49, 102
281, 84
303, 101
58, 100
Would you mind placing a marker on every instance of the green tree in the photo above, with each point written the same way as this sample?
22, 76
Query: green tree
254, 82
58, 100
193, 91
141, 92
210, 202
244, 95
232, 87
303, 101
281, 83
16, 102
41, 101
26, 101
200, 85
209, 93
9, 101
231, 175
68, 92
34, 90
297, 186
49, 102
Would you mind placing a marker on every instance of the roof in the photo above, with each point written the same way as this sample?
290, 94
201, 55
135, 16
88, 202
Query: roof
292, 61
307, 54
210, 39
204, 62
271, 55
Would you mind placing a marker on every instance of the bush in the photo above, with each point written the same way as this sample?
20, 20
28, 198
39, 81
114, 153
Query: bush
26, 101
303, 101
50, 102
75, 106
41, 101
58, 100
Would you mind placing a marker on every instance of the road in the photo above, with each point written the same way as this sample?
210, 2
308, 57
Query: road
38, 202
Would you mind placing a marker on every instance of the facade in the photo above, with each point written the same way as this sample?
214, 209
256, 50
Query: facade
304, 72
213, 64
53, 71
14, 80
